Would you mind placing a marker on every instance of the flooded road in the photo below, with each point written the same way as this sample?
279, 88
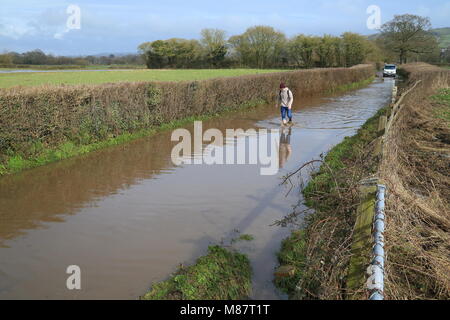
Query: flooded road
128, 217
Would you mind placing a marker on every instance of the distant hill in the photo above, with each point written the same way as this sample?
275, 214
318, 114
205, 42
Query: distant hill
116, 54
443, 35
373, 36
104, 54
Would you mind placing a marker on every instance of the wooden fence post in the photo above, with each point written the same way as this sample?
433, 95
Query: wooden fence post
362, 241
382, 125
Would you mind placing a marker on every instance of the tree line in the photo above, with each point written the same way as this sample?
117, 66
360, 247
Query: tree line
38, 57
403, 39
259, 47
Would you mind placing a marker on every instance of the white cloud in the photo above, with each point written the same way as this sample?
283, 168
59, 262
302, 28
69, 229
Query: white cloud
15, 29
60, 35
49, 23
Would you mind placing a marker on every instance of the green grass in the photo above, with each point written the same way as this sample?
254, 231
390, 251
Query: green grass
336, 158
97, 77
351, 86
442, 110
292, 253
16, 163
243, 237
220, 275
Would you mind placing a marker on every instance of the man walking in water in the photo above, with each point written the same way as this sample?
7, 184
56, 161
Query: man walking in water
285, 100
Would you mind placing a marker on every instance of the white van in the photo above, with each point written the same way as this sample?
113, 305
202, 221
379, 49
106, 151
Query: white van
390, 70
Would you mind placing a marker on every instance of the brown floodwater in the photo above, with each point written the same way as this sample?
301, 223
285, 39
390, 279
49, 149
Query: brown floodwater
127, 216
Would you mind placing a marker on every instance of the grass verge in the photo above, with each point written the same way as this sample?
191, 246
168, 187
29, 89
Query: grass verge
352, 86
415, 169
243, 237
442, 109
220, 275
320, 252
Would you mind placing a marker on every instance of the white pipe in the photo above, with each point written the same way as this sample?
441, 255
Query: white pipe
375, 283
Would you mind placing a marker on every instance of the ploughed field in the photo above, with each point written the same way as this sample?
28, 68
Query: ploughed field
10, 78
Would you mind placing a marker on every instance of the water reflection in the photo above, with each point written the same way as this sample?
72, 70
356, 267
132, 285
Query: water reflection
285, 150
47, 194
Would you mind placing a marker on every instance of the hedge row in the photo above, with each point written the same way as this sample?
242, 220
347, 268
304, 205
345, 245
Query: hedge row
48, 116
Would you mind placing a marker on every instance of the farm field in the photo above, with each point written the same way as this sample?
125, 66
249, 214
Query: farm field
97, 77
40, 67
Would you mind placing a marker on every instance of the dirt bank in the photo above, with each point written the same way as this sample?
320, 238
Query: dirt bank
415, 167
416, 170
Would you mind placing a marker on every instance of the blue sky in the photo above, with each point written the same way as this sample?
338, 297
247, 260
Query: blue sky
120, 26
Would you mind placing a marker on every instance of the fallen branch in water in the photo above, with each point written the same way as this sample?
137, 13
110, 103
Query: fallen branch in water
288, 177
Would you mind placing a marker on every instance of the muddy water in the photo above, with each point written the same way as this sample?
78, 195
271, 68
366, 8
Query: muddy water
128, 217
